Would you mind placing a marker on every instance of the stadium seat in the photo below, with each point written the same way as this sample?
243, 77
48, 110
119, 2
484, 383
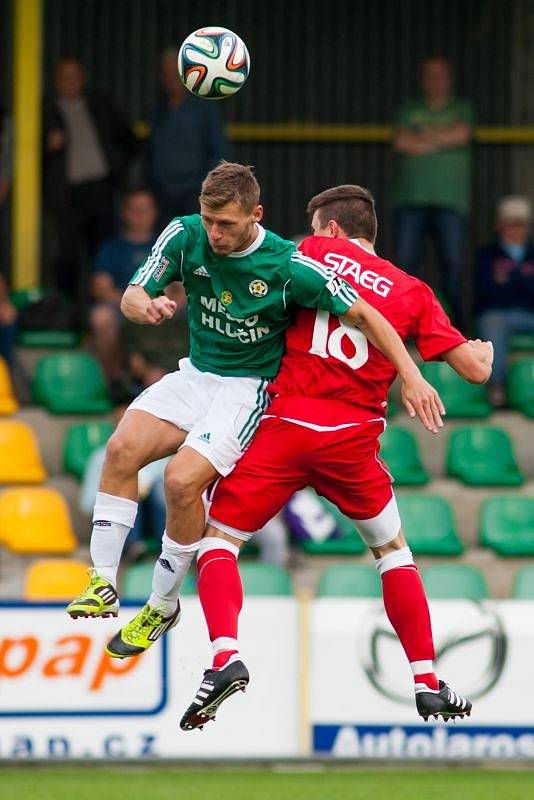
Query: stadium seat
49, 340
137, 582
521, 342
524, 584
8, 403
461, 399
521, 386
480, 455
35, 520
55, 579
350, 580
20, 460
70, 383
454, 581
507, 525
23, 297
79, 443
428, 524
398, 448
264, 579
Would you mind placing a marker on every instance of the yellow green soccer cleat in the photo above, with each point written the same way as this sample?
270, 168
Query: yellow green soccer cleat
98, 599
139, 634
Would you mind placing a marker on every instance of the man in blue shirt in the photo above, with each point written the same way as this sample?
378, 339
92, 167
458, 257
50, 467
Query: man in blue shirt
187, 141
504, 286
114, 265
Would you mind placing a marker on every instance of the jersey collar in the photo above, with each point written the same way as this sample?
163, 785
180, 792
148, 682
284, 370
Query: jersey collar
360, 245
257, 243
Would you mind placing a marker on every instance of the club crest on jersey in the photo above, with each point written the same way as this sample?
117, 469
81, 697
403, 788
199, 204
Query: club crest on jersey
258, 288
226, 298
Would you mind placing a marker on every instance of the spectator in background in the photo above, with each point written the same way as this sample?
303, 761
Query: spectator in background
504, 286
433, 186
153, 350
187, 140
116, 262
87, 148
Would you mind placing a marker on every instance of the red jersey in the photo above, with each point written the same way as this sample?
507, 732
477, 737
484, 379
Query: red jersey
326, 360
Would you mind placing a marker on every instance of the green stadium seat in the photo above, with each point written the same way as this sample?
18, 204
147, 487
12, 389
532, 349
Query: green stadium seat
507, 525
264, 579
137, 582
350, 580
521, 386
461, 399
393, 408
522, 342
480, 455
49, 340
398, 448
428, 524
524, 584
23, 297
70, 383
79, 443
454, 581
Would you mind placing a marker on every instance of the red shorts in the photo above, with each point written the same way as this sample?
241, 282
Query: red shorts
341, 465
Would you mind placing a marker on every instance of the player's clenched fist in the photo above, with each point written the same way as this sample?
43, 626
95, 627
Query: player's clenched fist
159, 309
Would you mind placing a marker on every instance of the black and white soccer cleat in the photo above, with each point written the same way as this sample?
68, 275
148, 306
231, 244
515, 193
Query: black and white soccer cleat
216, 687
442, 702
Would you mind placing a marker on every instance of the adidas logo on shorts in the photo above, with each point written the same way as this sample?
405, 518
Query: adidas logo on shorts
205, 437
202, 271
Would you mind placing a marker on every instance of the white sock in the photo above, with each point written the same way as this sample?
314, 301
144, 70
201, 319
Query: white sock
169, 572
113, 517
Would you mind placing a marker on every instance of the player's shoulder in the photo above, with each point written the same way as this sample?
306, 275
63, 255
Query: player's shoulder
276, 245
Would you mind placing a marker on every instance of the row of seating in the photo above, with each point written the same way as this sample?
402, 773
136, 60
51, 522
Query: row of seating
37, 520
63, 579
477, 455
73, 383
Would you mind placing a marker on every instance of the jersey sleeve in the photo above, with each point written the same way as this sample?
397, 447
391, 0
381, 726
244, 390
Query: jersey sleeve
316, 286
434, 333
164, 264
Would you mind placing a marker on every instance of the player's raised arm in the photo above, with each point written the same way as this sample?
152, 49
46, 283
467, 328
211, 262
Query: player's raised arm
418, 396
138, 306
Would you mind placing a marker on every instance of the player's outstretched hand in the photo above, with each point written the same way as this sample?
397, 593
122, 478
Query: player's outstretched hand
421, 399
160, 309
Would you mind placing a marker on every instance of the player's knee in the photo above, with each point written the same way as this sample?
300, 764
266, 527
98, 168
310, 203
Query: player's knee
122, 454
181, 486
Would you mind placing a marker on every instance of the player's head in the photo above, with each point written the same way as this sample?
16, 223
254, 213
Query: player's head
229, 207
344, 211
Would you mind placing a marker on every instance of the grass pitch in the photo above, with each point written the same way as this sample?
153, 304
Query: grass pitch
135, 783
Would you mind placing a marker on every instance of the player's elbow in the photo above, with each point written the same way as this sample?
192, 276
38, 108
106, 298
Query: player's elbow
476, 372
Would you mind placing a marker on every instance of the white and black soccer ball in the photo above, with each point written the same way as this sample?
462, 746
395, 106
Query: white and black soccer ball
213, 63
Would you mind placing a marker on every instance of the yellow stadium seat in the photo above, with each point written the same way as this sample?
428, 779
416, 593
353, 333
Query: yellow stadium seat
8, 403
35, 520
55, 579
20, 460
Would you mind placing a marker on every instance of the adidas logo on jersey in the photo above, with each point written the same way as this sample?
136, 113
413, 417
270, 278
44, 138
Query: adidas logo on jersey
202, 271
205, 437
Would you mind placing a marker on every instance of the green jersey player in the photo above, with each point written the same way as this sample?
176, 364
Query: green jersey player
242, 284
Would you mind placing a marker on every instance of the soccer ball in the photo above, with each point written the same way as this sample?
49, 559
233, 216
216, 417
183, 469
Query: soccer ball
213, 63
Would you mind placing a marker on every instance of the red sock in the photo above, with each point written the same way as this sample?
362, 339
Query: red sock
407, 610
221, 596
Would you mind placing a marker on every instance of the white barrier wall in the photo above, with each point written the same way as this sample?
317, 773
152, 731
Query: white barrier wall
60, 697
362, 696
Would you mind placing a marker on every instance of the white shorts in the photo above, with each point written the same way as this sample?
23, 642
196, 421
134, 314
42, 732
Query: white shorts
219, 413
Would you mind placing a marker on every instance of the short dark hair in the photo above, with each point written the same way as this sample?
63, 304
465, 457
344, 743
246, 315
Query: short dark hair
352, 207
228, 183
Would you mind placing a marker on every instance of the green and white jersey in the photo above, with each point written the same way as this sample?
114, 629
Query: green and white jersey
240, 304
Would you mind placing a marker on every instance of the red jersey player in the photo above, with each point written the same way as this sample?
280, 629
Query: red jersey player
322, 429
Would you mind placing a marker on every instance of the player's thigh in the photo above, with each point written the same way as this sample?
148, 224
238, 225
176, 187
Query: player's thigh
225, 431
141, 438
181, 398
188, 472
265, 478
350, 474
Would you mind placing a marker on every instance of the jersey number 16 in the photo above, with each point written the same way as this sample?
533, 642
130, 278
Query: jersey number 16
325, 345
